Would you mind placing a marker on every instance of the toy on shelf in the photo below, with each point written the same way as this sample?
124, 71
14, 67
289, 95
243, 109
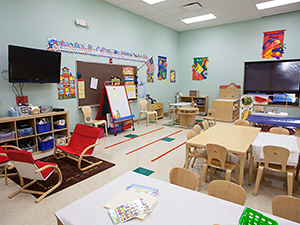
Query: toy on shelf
151, 99
231, 91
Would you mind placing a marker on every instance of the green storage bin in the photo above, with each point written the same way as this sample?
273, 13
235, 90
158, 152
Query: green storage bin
251, 217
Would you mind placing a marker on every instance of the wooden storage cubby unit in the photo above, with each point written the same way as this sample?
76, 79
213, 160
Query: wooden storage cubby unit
158, 107
202, 108
226, 109
13, 123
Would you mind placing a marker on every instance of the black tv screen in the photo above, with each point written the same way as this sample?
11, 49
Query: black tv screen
28, 65
272, 77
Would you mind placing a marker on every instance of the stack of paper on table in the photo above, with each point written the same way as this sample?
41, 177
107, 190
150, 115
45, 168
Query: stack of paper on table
126, 196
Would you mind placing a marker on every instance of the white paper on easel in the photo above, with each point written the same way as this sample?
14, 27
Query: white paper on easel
115, 93
94, 83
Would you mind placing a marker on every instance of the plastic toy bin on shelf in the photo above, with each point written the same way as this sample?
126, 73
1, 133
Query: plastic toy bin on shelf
7, 136
25, 132
42, 128
45, 145
60, 124
30, 149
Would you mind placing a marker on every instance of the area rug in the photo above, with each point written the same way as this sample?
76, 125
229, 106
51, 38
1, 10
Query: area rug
71, 173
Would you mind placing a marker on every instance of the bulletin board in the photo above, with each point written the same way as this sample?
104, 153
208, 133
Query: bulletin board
100, 72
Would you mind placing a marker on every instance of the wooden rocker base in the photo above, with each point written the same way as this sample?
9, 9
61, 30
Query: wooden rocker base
43, 194
76, 158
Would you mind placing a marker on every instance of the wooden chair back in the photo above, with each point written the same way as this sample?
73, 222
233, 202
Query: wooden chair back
143, 105
87, 114
211, 112
242, 122
216, 156
197, 129
228, 191
276, 154
287, 207
192, 104
190, 134
279, 130
183, 178
205, 125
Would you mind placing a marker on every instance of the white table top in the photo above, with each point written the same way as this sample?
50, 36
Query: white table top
288, 141
182, 104
176, 205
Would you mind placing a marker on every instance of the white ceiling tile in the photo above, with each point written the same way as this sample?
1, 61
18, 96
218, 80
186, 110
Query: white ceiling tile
170, 12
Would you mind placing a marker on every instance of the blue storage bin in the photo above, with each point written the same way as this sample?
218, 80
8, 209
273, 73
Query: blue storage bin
118, 128
59, 126
25, 132
45, 145
45, 127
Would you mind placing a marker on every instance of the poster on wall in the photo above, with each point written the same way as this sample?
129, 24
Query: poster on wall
199, 68
66, 86
162, 68
128, 73
172, 76
150, 70
273, 46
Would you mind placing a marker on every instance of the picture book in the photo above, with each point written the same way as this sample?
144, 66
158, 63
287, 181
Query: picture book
128, 211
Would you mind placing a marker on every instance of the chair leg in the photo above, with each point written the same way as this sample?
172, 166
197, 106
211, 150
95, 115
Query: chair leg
211, 172
203, 173
105, 124
194, 161
147, 119
236, 174
258, 178
297, 169
228, 175
21, 189
290, 183
139, 118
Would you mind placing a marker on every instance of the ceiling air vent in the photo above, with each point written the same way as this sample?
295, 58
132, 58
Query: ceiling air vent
193, 6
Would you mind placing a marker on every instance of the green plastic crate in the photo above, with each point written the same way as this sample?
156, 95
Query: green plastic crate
251, 217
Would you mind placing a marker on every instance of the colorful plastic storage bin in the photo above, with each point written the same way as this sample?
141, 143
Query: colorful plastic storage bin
25, 132
42, 128
117, 128
251, 217
7, 136
45, 145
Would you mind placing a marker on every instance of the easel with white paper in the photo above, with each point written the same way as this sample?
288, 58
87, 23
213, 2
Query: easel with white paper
116, 97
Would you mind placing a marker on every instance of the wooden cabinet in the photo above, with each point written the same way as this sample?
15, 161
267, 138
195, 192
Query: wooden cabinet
226, 109
35, 131
202, 102
158, 107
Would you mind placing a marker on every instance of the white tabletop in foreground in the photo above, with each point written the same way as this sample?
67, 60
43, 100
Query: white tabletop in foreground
288, 141
175, 205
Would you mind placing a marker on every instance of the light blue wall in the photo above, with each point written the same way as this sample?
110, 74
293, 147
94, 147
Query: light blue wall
29, 23
228, 47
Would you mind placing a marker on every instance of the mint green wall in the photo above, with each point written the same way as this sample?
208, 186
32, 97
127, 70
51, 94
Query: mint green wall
29, 23
228, 47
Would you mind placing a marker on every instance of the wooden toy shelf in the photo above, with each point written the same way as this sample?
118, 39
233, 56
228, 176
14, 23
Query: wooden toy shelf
158, 107
202, 108
226, 109
13, 123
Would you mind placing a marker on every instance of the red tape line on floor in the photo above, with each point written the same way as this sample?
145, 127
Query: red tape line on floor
152, 142
133, 138
153, 160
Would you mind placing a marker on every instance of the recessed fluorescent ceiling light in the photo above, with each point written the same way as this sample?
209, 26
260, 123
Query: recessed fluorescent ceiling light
274, 3
151, 2
199, 18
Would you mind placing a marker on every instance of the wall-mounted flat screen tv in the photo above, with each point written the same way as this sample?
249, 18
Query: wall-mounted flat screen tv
272, 77
28, 65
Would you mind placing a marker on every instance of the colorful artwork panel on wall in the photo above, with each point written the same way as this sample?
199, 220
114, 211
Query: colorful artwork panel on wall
66, 86
273, 46
199, 68
150, 70
162, 68
172, 76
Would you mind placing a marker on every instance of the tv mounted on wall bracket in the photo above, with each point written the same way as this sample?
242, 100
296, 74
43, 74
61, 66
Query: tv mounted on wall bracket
28, 65
273, 77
